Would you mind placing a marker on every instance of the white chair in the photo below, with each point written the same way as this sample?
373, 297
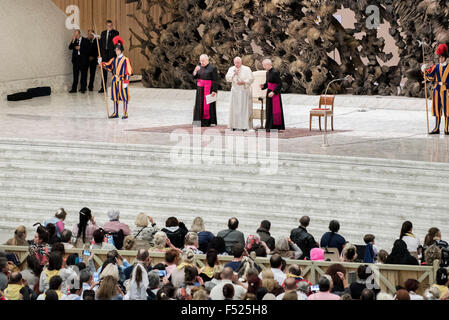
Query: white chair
260, 77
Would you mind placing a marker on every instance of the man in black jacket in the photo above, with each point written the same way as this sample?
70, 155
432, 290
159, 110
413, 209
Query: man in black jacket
93, 58
107, 48
302, 238
80, 60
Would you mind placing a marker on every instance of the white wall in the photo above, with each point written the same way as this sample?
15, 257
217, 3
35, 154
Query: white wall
33, 46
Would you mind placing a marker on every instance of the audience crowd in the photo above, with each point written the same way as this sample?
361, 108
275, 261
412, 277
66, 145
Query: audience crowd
50, 274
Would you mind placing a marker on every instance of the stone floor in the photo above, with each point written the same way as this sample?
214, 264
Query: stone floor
377, 127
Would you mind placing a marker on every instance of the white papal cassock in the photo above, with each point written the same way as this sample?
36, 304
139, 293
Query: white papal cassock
241, 98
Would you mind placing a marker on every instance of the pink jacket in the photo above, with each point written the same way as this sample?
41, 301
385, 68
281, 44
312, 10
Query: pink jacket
115, 226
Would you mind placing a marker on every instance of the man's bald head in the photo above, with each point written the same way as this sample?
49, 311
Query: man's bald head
227, 273
290, 284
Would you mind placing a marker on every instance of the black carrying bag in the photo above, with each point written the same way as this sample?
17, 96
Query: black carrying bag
39, 92
19, 96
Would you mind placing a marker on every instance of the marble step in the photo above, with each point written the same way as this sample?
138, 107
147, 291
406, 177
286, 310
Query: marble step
224, 207
255, 183
226, 193
319, 162
131, 150
285, 167
431, 183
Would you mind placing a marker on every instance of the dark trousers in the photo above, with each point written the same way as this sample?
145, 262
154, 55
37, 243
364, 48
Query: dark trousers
92, 70
77, 69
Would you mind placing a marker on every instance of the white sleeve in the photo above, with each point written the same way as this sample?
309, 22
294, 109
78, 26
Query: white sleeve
230, 74
250, 78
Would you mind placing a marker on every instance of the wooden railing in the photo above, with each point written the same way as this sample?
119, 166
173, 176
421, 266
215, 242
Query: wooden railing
387, 276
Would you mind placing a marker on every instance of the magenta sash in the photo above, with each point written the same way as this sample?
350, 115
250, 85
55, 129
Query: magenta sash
207, 85
276, 104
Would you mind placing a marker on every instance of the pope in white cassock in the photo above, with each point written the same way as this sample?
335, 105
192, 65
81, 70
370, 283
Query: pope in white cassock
241, 96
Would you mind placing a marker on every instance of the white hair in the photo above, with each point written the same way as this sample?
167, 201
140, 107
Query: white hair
238, 58
113, 214
205, 56
384, 296
267, 61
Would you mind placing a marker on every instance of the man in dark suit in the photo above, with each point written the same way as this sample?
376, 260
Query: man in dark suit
93, 56
107, 47
80, 59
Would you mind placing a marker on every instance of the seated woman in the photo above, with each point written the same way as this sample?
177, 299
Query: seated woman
400, 254
332, 239
162, 243
84, 230
349, 253
19, 239
212, 264
57, 221
287, 249
39, 247
204, 237
143, 233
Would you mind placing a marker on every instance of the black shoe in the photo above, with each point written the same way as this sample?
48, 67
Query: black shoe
72, 91
125, 117
101, 90
435, 131
83, 91
113, 117
446, 133
91, 89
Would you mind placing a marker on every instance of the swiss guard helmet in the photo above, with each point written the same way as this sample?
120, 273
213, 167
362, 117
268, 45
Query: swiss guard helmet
118, 43
443, 51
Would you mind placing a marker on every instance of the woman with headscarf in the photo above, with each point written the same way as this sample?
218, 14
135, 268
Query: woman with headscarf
85, 228
284, 248
400, 255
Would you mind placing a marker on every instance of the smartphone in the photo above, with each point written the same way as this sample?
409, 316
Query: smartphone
315, 288
86, 253
162, 273
351, 277
96, 277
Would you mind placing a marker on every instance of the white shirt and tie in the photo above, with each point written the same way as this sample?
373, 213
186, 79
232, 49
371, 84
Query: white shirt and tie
107, 39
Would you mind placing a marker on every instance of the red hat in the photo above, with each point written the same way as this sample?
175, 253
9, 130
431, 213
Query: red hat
118, 43
442, 50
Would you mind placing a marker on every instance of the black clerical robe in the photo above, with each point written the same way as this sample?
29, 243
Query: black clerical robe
207, 82
275, 113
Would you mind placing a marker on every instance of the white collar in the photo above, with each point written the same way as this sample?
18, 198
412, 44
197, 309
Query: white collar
120, 56
443, 64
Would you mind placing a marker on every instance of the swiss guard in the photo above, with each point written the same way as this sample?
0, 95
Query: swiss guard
120, 67
439, 75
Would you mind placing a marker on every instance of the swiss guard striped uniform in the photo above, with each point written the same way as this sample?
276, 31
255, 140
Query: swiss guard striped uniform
439, 75
121, 69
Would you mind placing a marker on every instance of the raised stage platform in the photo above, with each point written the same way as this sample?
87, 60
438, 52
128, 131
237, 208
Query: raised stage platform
380, 169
